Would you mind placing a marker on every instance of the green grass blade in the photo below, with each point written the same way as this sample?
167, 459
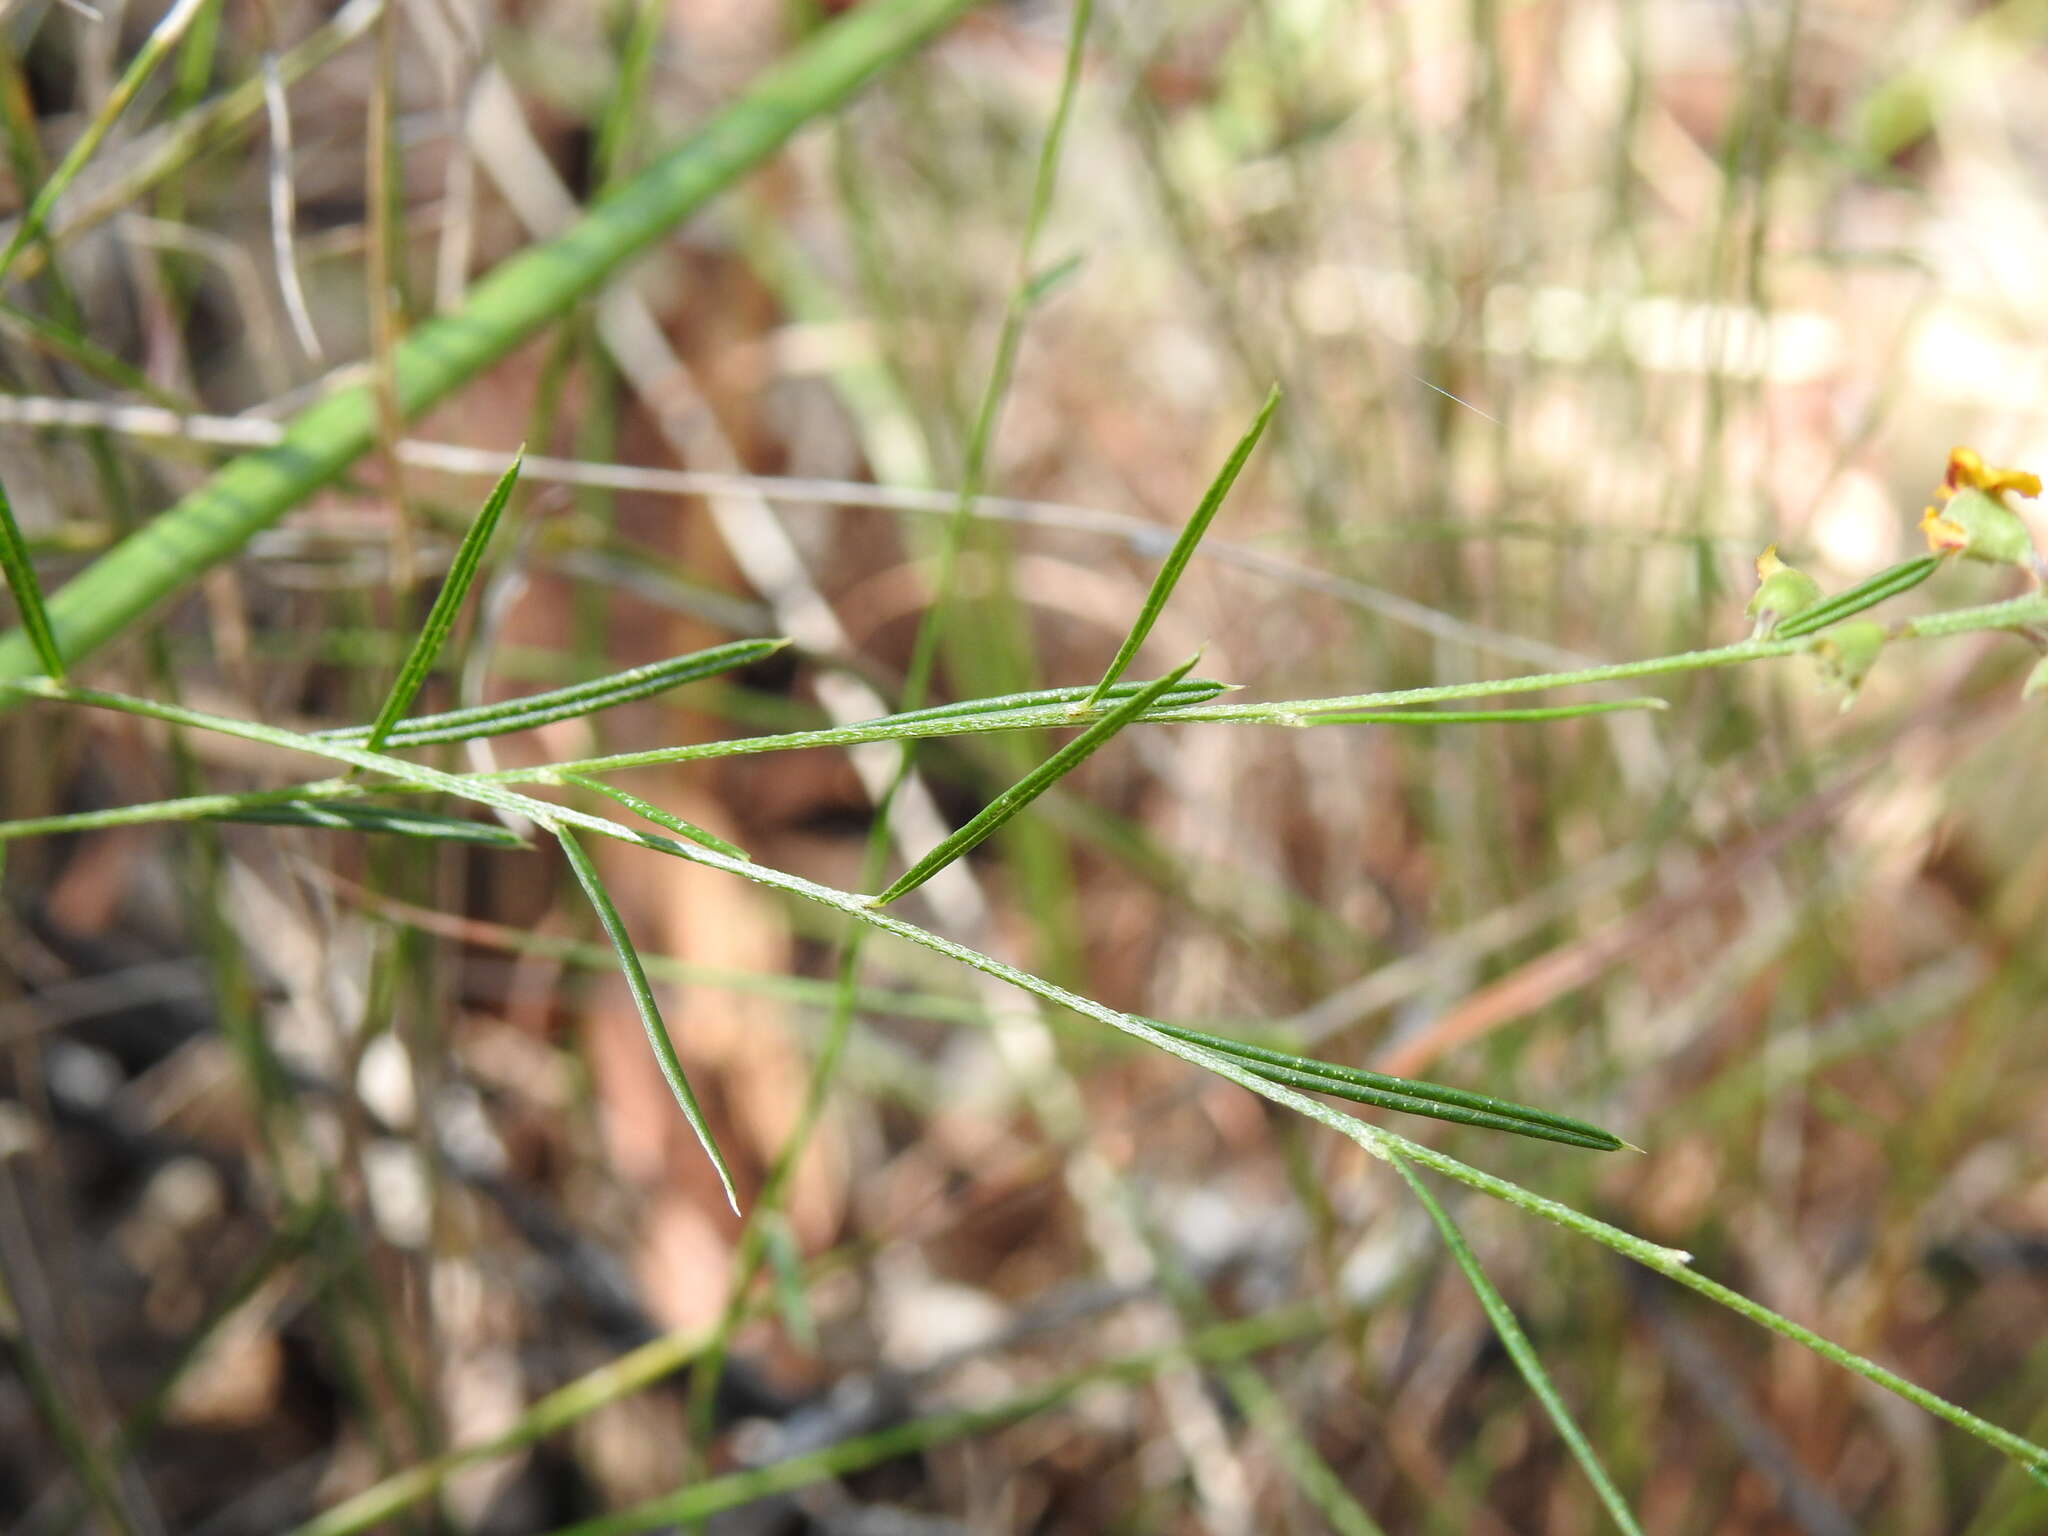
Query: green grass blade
1865, 594
566, 703
653, 1362
1478, 716
447, 603
1184, 547
344, 816
1033, 784
28, 592
713, 1495
1263, 1059
658, 816
152, 53
522, 295
635, 1371
643, 999
625, 111
1509, 1331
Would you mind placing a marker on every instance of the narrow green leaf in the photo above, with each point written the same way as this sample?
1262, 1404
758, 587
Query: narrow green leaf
1520, 1350
567, 703
1867, 593
28, 593
447, 603
1410, 1104
658, 816
1033, 784
1184, 547
643, 999
1417, 1097
1477, 716
346, 816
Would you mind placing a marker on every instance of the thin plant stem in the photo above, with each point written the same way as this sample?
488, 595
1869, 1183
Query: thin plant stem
1379, 1142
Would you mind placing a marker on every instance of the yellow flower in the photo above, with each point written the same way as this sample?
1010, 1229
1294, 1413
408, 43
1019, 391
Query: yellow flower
1968, 471
1973, 519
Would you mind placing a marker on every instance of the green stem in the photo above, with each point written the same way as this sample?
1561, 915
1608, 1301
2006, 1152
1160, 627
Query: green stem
1379, 1142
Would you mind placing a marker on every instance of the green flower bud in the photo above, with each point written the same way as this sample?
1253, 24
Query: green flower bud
1782, 591
1846, 653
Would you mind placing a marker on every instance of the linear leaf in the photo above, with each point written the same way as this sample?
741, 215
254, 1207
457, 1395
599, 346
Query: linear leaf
643, 999
1034, 784
658, 816
28, 592
346, 816
1867, 593
567, 703
1184, 547
447, 603
1509, 1331
1417, 1097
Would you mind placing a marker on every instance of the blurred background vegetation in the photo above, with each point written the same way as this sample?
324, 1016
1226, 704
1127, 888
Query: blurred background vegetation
1575, 306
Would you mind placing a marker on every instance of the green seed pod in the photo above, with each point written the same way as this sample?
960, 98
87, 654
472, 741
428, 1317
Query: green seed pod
1846, 653
1782, 592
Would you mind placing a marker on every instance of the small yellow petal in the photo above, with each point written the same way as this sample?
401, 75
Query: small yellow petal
1944, 537
1768, 563
2012, 480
